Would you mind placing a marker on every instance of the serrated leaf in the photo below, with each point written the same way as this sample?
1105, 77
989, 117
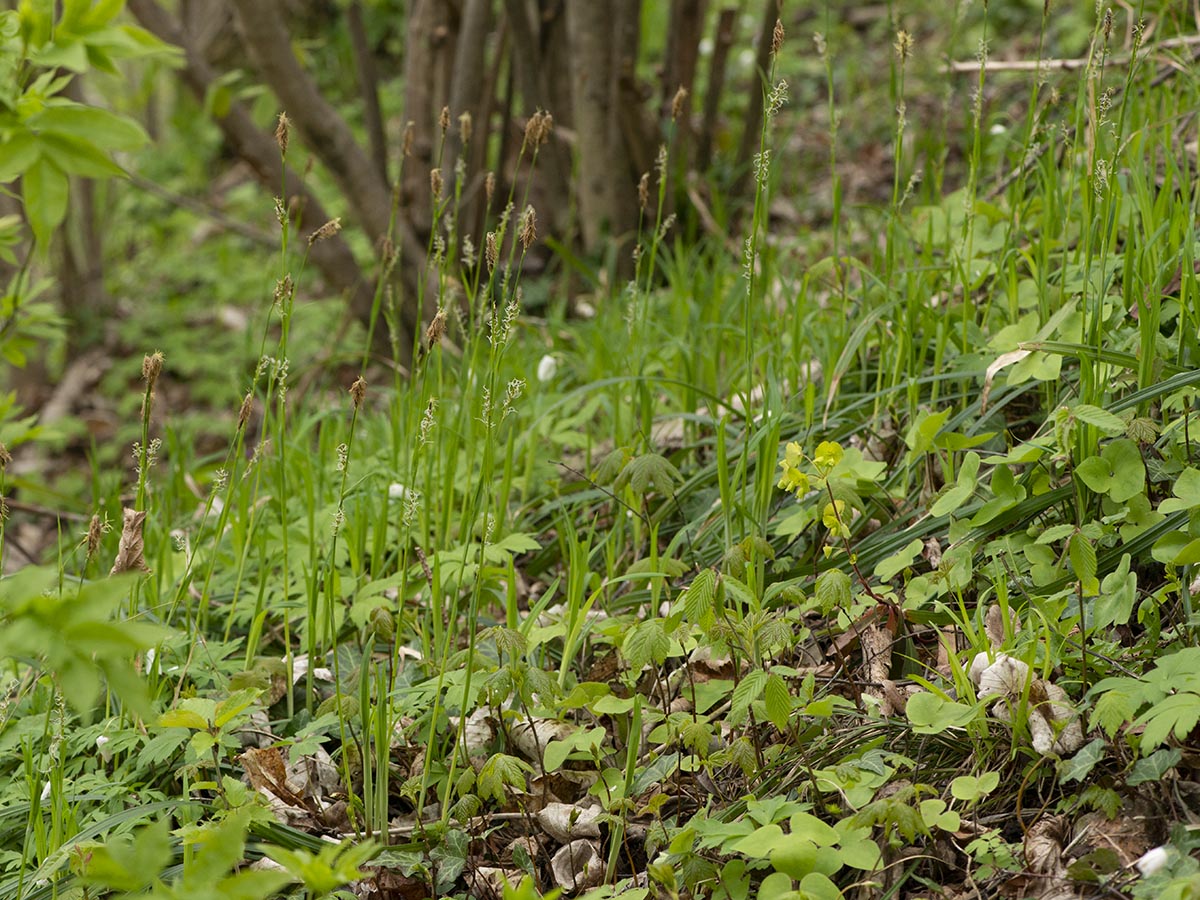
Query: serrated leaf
747, 691
778, 701
1110, 424
646, 642
700, 597
1083, 563
833, 590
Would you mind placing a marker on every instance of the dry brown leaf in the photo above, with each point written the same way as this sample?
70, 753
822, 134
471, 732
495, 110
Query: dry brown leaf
1044, 846
131, 549
577, 866
565, 822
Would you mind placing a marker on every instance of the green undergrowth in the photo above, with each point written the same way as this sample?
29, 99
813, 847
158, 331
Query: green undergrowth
787, 574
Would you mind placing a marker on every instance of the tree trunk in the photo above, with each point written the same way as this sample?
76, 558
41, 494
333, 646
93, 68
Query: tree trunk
467, 93
368, 87
590, 26
258, 149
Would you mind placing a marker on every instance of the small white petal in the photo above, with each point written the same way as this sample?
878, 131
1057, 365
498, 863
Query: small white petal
1152, 860
46, 792
547, 368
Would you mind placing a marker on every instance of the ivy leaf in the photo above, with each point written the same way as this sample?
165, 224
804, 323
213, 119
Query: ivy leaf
646, 473
1154, 766
1079, 766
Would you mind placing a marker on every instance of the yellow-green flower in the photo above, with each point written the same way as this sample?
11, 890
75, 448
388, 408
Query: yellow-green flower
793, 480
828, 455
833, 518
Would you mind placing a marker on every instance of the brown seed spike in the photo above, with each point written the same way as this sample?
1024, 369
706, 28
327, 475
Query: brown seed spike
358, 391
283, 133
437, 327
528, 233
5, 457
410, 130
152, 364
644, 191
95, 534
244, 412
489, 185
464, 127
444, 119
436, 183
491, 251
777, 38
677, 102
328, 230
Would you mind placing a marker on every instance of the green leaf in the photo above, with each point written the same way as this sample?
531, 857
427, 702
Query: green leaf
931, 714
45, 195
499, 772
962, 490
700, 597
1177, 714
1110, 424
646, 473
17, 153
747, 691
1079, 766
1186, 490
183, 718
646, 642
889, 567
95, 126
833, 590
1154, 767
970, 788
778, 700
1083, 562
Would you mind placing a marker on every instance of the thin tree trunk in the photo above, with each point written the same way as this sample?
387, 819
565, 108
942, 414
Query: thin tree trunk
466, 88
726, 22
754, 112
626, 33
258, 149
266, 37
368, 86
420, 113
590, 27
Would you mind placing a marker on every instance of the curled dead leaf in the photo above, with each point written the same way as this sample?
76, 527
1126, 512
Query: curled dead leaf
577, 866
131, 549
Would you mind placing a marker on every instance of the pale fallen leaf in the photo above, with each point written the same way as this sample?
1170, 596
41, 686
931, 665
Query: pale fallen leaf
577, 866
1004, 359
566, 822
